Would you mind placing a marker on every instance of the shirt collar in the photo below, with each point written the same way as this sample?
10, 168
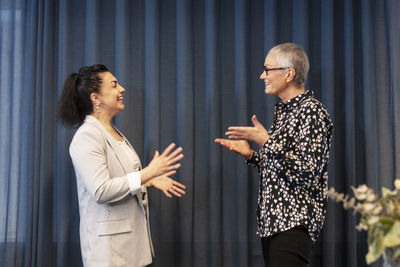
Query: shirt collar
294, 102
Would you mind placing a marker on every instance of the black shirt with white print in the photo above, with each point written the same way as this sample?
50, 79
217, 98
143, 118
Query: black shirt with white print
293, 167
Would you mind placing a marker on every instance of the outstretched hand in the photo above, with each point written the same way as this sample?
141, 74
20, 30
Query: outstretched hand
239, 146
168, 186
166, 161
257, 133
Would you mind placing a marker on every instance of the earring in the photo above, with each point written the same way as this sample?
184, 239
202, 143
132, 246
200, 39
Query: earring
97, 106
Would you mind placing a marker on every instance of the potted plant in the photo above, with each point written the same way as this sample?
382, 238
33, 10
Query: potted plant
380, 216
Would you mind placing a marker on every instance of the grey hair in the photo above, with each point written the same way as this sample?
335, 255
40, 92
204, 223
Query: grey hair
293, 56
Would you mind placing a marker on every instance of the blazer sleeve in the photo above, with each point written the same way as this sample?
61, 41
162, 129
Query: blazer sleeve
88, 153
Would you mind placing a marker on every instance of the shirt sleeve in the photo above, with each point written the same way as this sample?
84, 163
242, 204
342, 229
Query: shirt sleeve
135, 183
304, 162
254, 161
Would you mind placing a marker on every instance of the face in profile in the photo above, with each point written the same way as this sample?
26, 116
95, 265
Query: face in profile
274, 78
111, 94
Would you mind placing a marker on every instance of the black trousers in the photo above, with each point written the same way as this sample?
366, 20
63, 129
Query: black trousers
291, 248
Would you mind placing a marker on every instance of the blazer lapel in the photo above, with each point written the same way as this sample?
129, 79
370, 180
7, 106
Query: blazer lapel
126, 164
143, 196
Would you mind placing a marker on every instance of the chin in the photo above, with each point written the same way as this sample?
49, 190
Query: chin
268, 92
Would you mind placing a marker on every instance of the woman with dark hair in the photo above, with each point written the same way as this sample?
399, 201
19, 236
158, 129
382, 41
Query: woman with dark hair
113, 204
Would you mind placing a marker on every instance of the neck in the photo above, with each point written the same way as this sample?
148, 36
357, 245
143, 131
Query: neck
291, 92
103, 119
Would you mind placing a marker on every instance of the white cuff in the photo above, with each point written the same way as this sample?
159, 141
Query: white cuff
135, 183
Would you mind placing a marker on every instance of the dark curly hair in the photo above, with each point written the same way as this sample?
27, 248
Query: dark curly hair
75, 102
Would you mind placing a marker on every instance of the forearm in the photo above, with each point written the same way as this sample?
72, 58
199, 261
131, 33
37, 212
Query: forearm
146, 175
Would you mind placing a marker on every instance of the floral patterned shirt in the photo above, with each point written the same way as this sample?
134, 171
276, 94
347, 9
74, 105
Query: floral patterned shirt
293, 167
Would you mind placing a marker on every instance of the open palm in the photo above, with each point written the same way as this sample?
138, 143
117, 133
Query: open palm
241, 147
168, 185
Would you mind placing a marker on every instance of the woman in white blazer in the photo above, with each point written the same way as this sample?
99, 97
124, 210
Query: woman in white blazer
113, 204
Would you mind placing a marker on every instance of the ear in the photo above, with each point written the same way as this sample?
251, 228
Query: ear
290, 75
94, 97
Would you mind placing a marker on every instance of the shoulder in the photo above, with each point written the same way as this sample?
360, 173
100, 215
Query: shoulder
86, 136
88, 129
312, 105
316, 111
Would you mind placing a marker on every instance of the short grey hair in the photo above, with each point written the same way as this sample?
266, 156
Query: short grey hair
293, 56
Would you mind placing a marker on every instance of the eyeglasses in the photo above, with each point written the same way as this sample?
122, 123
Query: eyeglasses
267, 69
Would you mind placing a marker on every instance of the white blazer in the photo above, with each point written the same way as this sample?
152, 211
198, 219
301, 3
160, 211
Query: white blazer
114, 224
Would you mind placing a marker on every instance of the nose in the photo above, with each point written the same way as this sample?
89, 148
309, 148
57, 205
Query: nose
263, 75
121, 89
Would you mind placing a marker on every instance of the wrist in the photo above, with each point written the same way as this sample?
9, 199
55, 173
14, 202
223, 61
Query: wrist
249, 155
146, 175
149, 183
262, 142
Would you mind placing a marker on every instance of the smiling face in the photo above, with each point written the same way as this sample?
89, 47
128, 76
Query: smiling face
276, 81
110, 96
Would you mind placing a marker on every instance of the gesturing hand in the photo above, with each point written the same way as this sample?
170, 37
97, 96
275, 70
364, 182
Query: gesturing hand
163, 163
239, 146
257, 133
168, 185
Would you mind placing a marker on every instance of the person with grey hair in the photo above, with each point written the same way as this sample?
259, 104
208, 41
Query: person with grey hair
292, 160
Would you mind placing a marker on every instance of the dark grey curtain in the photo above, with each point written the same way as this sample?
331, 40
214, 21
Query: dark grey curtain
191, 68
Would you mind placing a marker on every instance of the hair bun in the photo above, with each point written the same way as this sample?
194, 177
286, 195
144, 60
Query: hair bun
83, 72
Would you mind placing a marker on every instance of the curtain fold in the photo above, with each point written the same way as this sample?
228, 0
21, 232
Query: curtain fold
190, 70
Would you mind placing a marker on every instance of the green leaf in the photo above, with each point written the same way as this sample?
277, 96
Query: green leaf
387, 221
375, 249
392, 238
371, 235
386, 224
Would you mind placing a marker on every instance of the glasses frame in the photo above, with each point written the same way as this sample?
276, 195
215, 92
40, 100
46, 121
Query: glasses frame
268, 69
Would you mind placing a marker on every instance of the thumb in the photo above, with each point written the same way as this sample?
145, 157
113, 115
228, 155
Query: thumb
255, 121
156, 154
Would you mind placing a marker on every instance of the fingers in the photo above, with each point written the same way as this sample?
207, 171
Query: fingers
175, 159
175, 188
173, 156
219, 141
168, 149
174, 167
176, 194
239, 132
240, 129
236, 131
176, 191
223, 142
175, 152
179, 184
167, 194
236, 137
